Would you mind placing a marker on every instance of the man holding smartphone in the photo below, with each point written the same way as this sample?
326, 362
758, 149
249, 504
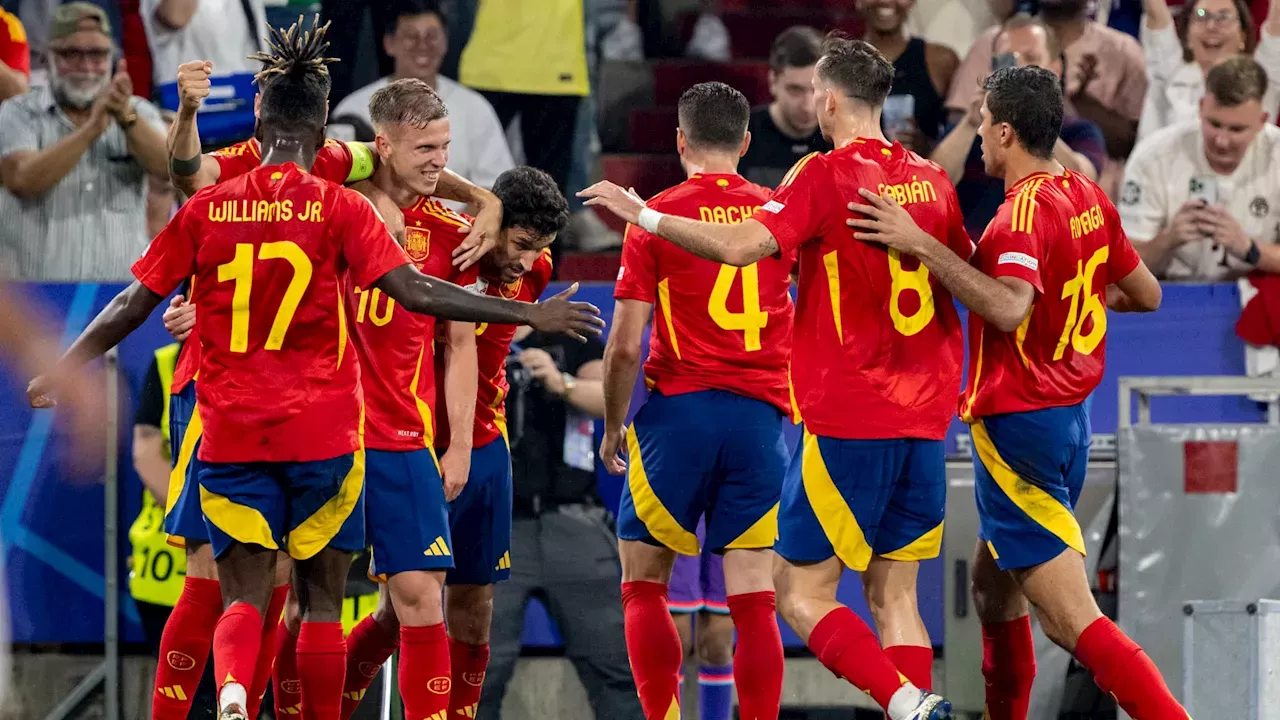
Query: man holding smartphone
1201, 200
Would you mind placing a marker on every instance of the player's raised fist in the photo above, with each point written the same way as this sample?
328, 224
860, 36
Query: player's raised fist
193, 83
575, 319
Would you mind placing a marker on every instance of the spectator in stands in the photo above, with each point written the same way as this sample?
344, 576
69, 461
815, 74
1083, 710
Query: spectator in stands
957, 23
1080, 145
15, 56
785, 130
74, 158
922, 72
1201, 199
1105, 73
416, 40
224, 32
563, 548
532, 65
1180, 52
347, 17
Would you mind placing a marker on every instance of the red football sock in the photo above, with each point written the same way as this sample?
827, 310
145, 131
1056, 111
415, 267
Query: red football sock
757, 660
322, 666
913, 661
1122, 669
287, 686
424, 672
262, 675
368, 647
653, 646
236, 642
184, 648
468, 663
847, 647
1009, 666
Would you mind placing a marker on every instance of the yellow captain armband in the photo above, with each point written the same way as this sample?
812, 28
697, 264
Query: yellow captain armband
361, 162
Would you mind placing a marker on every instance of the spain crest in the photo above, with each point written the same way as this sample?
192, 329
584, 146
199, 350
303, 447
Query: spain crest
417, 243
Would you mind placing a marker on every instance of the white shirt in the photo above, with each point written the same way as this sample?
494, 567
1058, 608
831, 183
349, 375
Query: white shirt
478, 146
218, 32
1176, 86
1157, 182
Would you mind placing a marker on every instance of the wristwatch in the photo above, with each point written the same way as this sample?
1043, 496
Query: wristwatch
1254, 256
128, 119
570, 382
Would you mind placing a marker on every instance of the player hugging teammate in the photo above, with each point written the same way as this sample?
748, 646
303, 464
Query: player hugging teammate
332, 412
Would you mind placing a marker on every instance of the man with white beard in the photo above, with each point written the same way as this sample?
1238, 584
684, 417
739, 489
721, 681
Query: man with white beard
74, 158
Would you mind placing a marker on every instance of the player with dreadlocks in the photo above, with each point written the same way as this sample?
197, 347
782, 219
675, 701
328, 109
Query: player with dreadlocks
282, 456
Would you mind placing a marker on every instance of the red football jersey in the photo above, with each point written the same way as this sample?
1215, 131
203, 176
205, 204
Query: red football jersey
1062, 235
493, 343
269, 250
878, 343
395, 346
336, 161
717, 327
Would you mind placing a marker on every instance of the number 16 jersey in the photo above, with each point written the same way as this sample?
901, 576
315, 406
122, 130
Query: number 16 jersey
715, 327
878, 343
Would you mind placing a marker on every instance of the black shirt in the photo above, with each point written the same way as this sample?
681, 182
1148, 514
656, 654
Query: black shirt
911, 77
151, 402
772, 153
536, 424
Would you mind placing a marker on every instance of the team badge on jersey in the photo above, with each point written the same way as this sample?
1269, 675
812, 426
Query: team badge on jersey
417, 243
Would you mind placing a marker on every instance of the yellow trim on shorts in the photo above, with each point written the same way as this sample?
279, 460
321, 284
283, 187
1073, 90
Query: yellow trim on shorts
925, 547
314, 533
178, 475
760, 535
832, 510
243, 523
657, 519
1044, 509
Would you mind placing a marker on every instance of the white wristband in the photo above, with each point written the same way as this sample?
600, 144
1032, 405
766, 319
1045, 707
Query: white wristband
649, 219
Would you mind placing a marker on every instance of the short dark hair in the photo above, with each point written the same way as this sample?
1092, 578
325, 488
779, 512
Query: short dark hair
799, 46
1236, 81
294, 82
407, 101
531, 199
1029, 99
714, 116
1022, 20
856, 67
413, 8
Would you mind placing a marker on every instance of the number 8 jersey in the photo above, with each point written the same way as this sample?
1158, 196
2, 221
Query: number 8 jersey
1062, 235
271, 251
715, 327
878, 343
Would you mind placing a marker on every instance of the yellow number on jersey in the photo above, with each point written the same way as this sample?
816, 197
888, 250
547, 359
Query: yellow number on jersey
909, 281
752, 319
240, 270
1084, 304
368, 299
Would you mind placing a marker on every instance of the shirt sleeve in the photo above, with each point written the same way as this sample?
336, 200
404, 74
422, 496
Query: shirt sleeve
151, 401
967, 82
958, 239
1268, 56
1011, 247
17, 130
368, 248
171, 257
1085, 137
492, 156
14, 49
1143, 202
232, 160
149, 114
638, 275
1163, 51
795, 212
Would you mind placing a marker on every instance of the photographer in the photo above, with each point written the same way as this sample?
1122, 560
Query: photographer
562, 538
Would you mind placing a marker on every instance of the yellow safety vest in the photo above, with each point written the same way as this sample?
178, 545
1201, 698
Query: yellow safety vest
157, 569
534, 48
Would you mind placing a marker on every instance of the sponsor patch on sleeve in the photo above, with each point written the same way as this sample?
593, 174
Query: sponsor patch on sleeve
1017, 258
772, 206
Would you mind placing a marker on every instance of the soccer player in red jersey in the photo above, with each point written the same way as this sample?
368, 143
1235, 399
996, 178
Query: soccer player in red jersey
876, 357
283, 455
709, 438
1045, 270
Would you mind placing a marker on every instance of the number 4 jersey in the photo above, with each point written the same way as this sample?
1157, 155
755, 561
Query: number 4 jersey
271, 251
878, 343
1062, 235
715, 327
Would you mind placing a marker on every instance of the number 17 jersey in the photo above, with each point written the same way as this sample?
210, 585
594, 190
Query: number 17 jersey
878, 343
715, 327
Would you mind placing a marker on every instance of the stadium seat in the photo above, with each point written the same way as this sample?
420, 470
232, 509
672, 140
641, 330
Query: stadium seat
652, 130
673, 77
590, 266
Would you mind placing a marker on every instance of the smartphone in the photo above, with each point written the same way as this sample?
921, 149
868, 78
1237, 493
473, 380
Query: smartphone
1003, 60
1204, 188
898, 112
